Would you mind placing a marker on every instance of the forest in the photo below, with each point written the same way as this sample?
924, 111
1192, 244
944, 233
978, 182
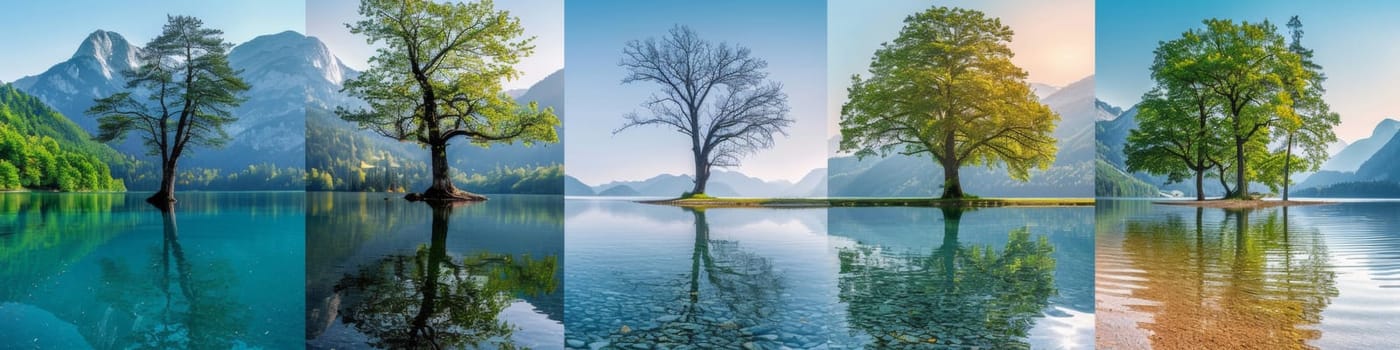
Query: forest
42, 150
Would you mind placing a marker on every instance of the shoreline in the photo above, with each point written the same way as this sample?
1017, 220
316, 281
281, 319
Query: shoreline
1241, 204
868, 202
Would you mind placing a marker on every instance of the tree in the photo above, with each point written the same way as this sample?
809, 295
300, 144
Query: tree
714, 94
1244, 65
438, 77
1176, 120
946, 86
189, 92
1307, 121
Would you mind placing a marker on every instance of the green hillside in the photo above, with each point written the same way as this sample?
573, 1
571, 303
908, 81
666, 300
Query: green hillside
41, 149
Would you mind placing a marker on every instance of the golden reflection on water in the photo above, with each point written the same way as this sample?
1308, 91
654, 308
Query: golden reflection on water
1209, 279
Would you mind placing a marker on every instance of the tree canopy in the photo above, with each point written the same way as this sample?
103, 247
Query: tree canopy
438, 77
946, 86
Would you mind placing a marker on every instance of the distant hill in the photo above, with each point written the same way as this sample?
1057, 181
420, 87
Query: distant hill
723, 183
574, 187
1351, 156
620, 191
1071, 175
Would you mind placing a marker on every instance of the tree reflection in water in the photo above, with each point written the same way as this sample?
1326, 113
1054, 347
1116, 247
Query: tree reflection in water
968, 296
1247, 281
730, 297
429, 301
177, 305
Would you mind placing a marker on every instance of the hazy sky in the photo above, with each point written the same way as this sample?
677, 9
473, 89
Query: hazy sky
44, 33
542, 19
790, 35
1054, 40
1352, 40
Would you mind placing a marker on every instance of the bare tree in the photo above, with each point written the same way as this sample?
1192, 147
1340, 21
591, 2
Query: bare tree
716, 94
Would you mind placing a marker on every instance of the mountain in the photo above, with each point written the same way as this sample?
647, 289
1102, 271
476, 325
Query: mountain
811, 185
574, 187
1042, 90
1071, 175
93, 71
747, 186
1351, 157
620, 191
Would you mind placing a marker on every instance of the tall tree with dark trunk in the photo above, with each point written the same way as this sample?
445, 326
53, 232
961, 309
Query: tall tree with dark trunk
181, 96
717, 95
438, 77
946, 86
1306, 125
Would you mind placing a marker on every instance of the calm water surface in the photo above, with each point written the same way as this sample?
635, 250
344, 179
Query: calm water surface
387, 273
778, 278
1324, 276
108, 271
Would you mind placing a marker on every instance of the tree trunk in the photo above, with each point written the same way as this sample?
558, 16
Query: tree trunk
1287, 164
164, 198
1241, 183
1200, 185
702, 174
952, 185
442, 188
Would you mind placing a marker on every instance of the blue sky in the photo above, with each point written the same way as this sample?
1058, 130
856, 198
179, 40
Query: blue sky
542, 19
1354, 41
1054, 40
790, 35
44, 33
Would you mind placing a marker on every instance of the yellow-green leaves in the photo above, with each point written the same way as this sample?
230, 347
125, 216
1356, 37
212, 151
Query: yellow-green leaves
947, 86
439, 73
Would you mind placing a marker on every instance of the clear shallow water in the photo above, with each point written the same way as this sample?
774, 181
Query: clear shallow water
108, 271
882, 277
1325, 276
397, 274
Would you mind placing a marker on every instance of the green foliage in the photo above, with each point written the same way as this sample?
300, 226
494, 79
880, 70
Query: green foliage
1224, 93
1112, 182
9, 176
1357, 189
946, 86
536, 180
438, 76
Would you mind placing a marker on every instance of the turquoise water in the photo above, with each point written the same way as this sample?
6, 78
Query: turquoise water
827, 278
1316, 276
108, 271
387, 273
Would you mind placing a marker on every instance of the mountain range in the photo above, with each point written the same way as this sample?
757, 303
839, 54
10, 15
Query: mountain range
724, 183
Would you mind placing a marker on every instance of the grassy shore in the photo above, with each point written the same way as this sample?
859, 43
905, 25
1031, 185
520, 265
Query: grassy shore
714, 202
1240, 203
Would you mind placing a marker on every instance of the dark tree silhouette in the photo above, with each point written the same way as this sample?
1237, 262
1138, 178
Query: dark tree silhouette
714, 94
189, 93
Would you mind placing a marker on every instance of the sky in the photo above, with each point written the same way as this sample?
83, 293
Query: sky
50, 31
1352, 40
542, 19
790, 35
1053, 41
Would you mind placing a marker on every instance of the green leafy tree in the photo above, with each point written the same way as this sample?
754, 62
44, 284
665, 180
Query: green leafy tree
715, 95
438, 77
947, 87
180, 97
1307, 122
1175, 135
9, 176
1244, 65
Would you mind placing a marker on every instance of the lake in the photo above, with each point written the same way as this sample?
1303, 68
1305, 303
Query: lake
382, 272
1318, 276
108, 271
828, 278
